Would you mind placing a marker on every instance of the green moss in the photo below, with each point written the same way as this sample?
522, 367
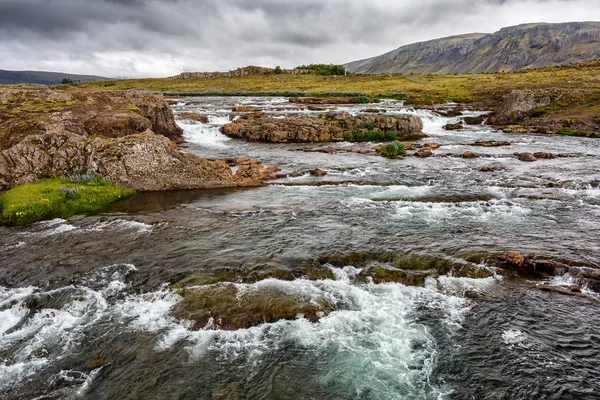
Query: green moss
370, 136
133, 108
573, 132
393, 149
44, 199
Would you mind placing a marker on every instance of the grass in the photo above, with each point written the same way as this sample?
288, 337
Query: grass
416, 89
393, 149
370, 136
57, 198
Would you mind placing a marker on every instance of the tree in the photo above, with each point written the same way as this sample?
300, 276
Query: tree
278, 70
66, 81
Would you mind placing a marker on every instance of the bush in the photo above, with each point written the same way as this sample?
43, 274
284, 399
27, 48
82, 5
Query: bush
277, 70
58, 198
66, 81
392, 149
325, 69
370, 136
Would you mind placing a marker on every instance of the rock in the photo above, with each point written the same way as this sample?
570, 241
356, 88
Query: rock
423, 153
311, 129
225, 307
315, 108
543, 154
374, 110
469, 154
325, 100
245, 109
527, 157
469, 270
196, 117
485, 168
526, 265
41, 110
480, 120
490, 143
519, 102
433, 145
145, 162
453, 127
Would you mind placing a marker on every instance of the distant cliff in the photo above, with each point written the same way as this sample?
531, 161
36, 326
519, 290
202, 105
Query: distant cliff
509, 49
44, 78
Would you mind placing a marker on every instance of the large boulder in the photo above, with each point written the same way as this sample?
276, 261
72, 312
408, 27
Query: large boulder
330, 128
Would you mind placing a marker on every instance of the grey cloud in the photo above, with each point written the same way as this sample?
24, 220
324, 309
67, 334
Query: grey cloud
161, 37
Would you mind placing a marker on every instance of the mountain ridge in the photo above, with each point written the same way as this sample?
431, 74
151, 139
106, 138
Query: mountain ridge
511, 48
43, 77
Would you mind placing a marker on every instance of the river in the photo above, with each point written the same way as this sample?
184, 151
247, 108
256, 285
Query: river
85, 303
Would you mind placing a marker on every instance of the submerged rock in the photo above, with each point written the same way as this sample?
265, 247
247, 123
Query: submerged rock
330, 128
469, 154
227, 307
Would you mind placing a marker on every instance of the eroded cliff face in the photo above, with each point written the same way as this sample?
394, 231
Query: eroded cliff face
510, 49
129, 137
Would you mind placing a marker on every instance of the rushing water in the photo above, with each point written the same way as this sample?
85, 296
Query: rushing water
85, 303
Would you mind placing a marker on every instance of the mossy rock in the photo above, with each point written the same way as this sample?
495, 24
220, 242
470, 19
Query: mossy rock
226, 307
385, 274
405, 261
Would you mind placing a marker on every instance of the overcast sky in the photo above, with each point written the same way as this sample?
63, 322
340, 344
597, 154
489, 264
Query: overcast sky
140, 38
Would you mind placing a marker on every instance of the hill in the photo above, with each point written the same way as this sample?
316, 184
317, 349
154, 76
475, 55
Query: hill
44, 78
510, 49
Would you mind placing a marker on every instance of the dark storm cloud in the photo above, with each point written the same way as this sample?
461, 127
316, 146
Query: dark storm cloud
158, 37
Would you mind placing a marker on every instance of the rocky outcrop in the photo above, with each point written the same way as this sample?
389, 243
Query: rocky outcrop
145, 162
129, 137
244, 71
331, 128
519, 102
38, 110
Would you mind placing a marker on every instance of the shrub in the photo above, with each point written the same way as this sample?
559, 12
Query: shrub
325, 69
277, 70
370, 136
66, 81
393, 149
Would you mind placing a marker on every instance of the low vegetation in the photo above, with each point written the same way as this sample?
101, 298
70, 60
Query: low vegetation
393, 149
370, 136
325, 69
483, 89
51, 198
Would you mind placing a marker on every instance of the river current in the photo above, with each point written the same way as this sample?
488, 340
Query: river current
85, 303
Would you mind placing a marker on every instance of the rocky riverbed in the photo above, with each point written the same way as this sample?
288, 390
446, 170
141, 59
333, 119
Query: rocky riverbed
423, 277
